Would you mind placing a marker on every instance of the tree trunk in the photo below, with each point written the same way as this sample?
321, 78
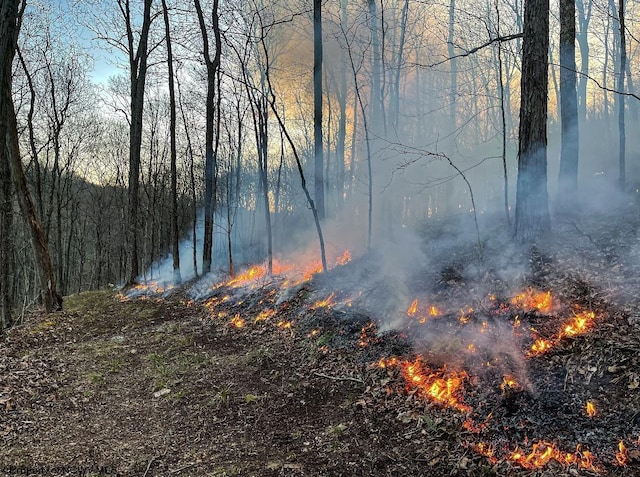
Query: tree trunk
6, 244
453, 64
568, 178
342, 120
175, 234
621, 98
317, 108
138, 76
532, 210
10, 19
584, 18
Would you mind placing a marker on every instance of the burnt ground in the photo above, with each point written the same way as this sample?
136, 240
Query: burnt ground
167, 385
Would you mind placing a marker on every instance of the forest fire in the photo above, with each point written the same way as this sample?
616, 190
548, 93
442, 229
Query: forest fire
544, 452
472, 361
578, 324
264, 315
324, 303
294, 274
367, 334
440, 386
237, 322
534, 300
421, 316
622, 455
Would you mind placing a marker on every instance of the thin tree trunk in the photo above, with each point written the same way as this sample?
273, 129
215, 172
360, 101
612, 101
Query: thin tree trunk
175, 235
584, 18
503, 120
317, 109
6, 245
342, 120
568, 178
274, 109
454, 69
621, 98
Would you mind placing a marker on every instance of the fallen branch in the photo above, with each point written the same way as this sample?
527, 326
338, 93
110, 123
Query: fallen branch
149, 465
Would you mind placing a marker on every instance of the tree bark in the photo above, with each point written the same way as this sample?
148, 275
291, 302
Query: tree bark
317, 108
532, 209
10, 18
568, 178
6, 245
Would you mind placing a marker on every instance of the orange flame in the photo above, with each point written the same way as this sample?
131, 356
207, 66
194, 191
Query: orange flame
533, 300
578, 324
344, 258
365, 334
622, 456
413, 308
285, 325
387, 362
509, 382
326, 303
248, 276
433, 311
591, 409
544, 452
541, 346
264, 315
439, 387
237, 322
486, 450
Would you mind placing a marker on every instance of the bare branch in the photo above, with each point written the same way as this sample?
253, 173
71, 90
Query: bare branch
498, 39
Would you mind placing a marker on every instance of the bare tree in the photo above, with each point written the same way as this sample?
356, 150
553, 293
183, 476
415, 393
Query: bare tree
212, 65
11, 12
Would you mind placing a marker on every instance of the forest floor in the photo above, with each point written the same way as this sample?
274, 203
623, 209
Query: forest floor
257, 382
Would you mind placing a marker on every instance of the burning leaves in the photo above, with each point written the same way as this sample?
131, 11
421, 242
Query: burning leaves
440, 386
578, 324
534, 300
622, 456
421, 316
544, 452
237, 322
